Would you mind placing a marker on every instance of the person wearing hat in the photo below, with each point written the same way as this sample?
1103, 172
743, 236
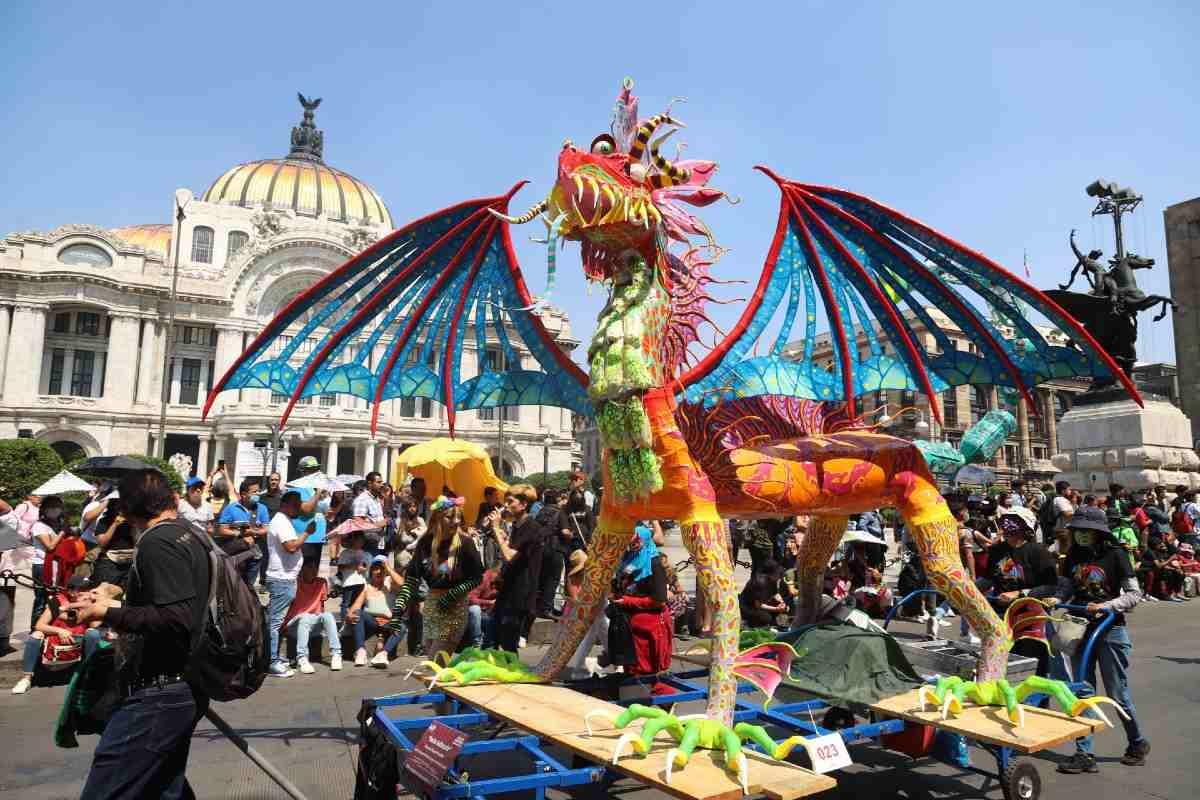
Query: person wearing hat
192, 507
1097, 575
1019, 566
313, 505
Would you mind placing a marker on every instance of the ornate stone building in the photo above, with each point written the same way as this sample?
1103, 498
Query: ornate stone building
1182, 223
83, 327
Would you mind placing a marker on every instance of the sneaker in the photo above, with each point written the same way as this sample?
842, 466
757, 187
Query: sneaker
975, 640
305, 667
280, 670
922, 617
950, 612
380, 660
335, 662
360, 657
522, 643
1135, 754
1080, 762
23, 685
942, 622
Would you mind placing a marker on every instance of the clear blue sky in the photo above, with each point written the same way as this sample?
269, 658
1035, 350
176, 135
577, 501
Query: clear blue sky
986, 124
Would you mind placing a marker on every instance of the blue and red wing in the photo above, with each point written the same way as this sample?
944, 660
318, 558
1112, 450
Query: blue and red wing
413, 297
873, 275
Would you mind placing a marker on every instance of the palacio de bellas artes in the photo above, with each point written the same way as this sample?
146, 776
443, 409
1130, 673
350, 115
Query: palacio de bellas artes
85, 320
577, 401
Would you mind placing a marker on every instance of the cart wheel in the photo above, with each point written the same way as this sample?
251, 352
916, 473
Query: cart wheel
1021, 781
837, 718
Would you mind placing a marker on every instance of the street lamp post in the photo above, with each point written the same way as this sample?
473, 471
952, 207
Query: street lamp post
182, 198
546, 442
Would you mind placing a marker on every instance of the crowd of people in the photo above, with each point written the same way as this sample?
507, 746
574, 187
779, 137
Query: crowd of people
410, 569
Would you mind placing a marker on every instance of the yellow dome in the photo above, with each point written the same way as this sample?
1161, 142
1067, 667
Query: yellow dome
301, 181
155, 238
307, 187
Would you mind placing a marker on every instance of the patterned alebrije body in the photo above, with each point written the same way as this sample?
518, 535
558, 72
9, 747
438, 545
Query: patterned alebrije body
937, 542
624, 364
820, 540
708, 544
609, 542
835, 255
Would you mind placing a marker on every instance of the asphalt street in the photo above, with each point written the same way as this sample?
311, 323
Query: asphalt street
306, 726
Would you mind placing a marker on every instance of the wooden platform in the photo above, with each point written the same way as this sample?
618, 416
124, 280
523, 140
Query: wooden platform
990, 724
556, 713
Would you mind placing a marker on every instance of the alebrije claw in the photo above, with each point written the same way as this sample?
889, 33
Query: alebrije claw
626, 738
599, 712
670, 762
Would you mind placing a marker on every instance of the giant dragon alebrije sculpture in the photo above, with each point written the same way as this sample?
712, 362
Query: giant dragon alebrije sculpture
758, 426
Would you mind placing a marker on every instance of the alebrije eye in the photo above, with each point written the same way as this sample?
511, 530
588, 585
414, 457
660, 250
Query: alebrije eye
603, 145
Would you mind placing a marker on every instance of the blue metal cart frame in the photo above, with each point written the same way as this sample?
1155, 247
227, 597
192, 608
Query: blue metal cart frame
547, 771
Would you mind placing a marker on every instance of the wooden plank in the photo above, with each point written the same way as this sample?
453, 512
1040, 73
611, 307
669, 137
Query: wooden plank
556, 713
990, 724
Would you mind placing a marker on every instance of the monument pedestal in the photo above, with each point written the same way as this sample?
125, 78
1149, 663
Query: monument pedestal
1116, 441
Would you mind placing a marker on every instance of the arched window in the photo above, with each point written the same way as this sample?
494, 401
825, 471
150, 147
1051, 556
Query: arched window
202, 244
237, 240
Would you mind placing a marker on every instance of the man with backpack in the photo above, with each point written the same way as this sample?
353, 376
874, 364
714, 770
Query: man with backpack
1054, 515
144, 749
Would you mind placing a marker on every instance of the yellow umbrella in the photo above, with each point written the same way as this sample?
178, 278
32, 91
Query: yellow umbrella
465, 467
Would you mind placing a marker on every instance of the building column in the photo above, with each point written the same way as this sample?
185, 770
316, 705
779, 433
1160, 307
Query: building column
25, 345
368, 456
1025, 451
119, 382
331, 457
229, 347
1051, 406
150, 364
202, 457
5, 321
219, 451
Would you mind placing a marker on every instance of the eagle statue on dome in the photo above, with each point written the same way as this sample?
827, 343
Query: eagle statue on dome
737, 431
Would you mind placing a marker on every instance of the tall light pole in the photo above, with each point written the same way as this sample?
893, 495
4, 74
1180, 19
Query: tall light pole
1113, 200
546, 442
182, 198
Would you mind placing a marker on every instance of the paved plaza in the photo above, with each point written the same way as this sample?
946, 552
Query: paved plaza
306, 726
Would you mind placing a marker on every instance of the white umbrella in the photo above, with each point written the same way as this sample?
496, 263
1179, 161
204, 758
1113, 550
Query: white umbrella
862, 536
318, 480
349, 480
62, 483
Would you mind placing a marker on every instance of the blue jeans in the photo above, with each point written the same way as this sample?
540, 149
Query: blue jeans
304, 624
474, 632
1112, 656
250, 569
33, 649
144, 749
282, 593
39, 596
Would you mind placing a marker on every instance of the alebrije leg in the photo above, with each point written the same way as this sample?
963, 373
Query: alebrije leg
609, 542
735, 759
691, 737
757, 734
707, 542
638, 711
822, 538
935, 532
651, 729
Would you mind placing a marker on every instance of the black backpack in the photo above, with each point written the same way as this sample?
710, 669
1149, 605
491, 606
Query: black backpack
231, 650
1048, 519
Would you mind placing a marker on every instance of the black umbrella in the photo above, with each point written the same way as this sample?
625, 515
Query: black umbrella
111, 465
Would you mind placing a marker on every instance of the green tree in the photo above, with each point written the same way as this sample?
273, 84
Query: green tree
554, 480
25, 464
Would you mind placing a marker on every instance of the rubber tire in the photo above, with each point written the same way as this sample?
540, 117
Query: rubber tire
1021, 781
837, 718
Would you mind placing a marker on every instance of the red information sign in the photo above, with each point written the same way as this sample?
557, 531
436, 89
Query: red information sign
432, 757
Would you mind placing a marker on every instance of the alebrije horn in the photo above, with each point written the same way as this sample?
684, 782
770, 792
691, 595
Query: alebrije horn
646, 131
528, 216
